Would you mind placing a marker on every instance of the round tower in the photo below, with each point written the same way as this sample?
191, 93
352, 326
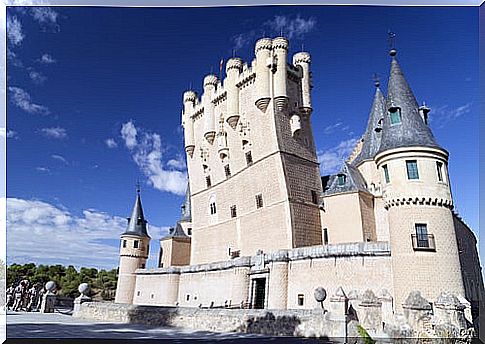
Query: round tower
210, 83
280, 48
134, 250
417, 196
188, 122
303, 60
233, 69
263, 64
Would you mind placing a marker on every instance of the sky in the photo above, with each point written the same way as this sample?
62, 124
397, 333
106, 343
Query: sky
94, 97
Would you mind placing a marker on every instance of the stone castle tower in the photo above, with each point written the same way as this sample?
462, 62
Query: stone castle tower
248, 141
407, 171
134, 250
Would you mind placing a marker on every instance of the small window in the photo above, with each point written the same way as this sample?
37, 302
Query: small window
412, 169
249, 158
227, 171
325, 236
395, 115
259, 201
148, 249
152, 296
301, 299
341, 179
213, 208
189, 231
138, 293
142, 266
422, 235
187, 297
124, 243
386, 173
314, 197
439, 170
208, 181
135, 244
233, 211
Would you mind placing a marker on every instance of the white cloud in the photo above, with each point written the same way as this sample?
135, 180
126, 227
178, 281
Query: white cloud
178, 163
47, 59
22, 99
13, 58
111, 143
331, 159
46, 17
54, 133
46, 234
60, 158
295, 27
243, 39
43, 169
444, 114
146, 151
37, 77
14, 30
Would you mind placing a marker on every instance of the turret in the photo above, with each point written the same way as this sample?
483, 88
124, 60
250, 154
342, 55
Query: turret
303, 60
210, 82
134, 251
423, 112
188, 122
263, 63
280, 50
233, 69
417, 196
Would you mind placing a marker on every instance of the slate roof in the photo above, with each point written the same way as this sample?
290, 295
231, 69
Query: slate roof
412, 131
373, 133
137, 225
353, 181
176, 232
186, 207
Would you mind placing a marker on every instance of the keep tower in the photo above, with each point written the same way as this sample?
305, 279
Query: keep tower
416, 192
134, 250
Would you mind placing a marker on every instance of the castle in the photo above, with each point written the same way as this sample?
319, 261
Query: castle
261, 228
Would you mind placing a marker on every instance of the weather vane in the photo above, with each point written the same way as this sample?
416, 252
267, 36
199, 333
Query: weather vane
392, 42
377, 79
138, 186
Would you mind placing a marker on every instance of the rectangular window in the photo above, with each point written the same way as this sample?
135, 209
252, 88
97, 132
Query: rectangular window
301, 299
142, 266
422, 238
213, 208
314, 197
249, 158
259, 201
386, 173
124, 243
138, 293
208, 181
189, 231
325, 236
187, 297
395, 115
412, 168
233, 211
135, 244
341, 179
227, 171
439, 170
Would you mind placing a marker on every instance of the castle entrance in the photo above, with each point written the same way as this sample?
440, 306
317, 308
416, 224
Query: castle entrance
259, 292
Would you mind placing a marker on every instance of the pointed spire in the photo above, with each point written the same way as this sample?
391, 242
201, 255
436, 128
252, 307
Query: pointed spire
137, 225
349, 179
372, 135
186, 211
408, 128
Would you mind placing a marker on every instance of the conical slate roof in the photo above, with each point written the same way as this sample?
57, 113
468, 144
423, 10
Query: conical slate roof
353, 181
373, 133
137, 225
176, 232
412, 131
186, 210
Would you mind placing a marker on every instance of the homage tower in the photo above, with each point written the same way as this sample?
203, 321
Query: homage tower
248, 142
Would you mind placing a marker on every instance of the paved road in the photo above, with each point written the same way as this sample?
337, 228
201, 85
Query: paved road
55, 325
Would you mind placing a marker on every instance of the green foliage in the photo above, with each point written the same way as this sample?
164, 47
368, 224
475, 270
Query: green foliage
365, 336
102, 283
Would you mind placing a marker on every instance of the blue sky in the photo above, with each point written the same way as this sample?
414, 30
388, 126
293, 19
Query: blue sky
82, 81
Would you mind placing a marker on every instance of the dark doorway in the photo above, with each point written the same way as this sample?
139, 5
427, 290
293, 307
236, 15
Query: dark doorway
259, 290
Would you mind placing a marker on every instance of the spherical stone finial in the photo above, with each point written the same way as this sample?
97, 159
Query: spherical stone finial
50, 286
234, 63
301, 57
190, 96
210, 80
263, 43
320, 294
393, 52
83, 288
377, 83
280, 43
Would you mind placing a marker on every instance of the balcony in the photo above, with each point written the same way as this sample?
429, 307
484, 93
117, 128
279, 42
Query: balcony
423, 242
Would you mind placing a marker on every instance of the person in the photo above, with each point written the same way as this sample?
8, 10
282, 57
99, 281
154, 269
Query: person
18, 296
10, 297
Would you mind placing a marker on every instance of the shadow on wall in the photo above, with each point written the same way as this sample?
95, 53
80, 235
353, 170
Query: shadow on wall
152, 315
270, 324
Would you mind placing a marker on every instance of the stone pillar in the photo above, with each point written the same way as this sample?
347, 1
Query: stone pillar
387, 305
370, 312
417, 310
278, 282
449, 310
48, 303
